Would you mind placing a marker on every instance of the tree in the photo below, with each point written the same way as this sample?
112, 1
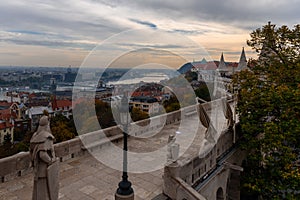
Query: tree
172, 104
137, 114
203, 92
61, 129
269, 113
104, 114
7, 149
191, 76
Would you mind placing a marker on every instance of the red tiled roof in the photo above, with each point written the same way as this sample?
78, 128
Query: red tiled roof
32, 95
233, 64
5, 103
5, 114
5, 125
206, 66
143, 93
61, 104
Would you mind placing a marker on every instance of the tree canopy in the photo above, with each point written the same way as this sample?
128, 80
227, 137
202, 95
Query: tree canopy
269, 113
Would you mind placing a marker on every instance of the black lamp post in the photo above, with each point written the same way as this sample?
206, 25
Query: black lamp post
125, 190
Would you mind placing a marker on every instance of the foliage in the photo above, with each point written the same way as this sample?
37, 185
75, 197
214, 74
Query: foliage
172, 104
191, 76
104, 114
7, 149
269, 113
62, 128
203, 92
18, 134
137, 114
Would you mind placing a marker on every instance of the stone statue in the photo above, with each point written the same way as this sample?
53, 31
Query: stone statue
45, 164
173, 149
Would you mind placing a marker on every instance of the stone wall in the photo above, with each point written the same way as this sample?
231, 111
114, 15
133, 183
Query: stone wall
20, 164
193, 170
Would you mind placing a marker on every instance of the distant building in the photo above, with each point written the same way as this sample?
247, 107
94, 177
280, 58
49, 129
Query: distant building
149, 105
207, 70
62, 106
114, 101
243, 62
48, 77
13, 117
35, 113
70, 76
38, 99
6, 128
53, 84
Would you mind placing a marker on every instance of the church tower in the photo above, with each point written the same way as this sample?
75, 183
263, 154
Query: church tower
222, 66
243, 62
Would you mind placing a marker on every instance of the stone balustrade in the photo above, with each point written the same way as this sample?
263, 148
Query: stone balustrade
20, 164
194, 169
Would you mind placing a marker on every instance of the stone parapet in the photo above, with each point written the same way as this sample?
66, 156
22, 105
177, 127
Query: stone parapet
20, 164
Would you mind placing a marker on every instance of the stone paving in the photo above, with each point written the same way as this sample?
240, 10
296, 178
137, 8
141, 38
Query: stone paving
85, 178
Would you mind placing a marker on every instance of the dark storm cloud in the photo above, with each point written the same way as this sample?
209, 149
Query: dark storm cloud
55, 17
81, 24
148, 24
245, 14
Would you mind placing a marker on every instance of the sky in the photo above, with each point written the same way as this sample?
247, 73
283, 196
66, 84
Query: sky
63, 33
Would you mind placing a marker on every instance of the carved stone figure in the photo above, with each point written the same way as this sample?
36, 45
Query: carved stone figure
173, 149
45, 164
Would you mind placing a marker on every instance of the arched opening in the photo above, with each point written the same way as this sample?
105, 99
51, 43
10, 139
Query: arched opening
220, 194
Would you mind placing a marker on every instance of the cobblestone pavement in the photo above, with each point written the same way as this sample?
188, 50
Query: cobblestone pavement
85, 178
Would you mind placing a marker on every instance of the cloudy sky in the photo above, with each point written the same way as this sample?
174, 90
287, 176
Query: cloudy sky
62, 33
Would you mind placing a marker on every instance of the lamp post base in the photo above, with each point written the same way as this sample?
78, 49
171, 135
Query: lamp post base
124, 197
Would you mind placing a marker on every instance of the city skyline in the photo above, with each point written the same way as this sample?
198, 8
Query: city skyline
53, 33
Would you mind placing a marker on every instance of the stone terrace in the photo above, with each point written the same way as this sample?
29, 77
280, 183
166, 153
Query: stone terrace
85, 178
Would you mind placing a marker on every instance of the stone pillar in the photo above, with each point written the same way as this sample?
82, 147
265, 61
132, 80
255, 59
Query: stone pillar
233, 187
169, 184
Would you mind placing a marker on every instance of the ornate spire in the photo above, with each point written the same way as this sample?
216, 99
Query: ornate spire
222, 66
243, 62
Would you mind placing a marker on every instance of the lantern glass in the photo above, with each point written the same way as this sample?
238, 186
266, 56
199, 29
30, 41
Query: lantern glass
124, 111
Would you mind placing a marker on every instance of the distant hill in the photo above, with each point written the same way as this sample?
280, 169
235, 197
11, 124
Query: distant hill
185, 68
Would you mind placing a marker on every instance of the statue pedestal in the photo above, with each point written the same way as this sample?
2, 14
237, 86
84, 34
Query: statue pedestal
124, 197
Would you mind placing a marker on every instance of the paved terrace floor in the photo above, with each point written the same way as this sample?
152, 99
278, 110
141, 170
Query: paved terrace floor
85, 178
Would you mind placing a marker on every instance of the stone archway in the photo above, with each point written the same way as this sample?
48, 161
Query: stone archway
220, 194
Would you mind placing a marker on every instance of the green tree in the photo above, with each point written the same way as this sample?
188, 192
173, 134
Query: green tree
172, 104
104, 114
191, 76
61, 129
7, 148
269, 113
137, 114
203, 92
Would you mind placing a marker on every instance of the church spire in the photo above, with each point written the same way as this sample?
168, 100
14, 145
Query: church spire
222, 65
243, 61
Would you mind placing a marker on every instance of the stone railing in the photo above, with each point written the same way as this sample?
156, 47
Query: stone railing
185, 191
194, 169
20, 164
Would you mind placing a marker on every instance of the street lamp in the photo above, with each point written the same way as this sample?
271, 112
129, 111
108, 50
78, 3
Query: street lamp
125, 191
